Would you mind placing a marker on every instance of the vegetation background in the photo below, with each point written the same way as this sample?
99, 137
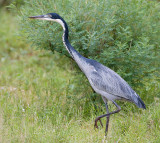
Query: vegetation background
44, 97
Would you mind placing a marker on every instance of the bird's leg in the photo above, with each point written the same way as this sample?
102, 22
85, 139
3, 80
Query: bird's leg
108, 114
107, 123
105, 101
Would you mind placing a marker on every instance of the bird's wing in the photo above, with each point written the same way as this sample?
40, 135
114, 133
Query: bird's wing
106, 80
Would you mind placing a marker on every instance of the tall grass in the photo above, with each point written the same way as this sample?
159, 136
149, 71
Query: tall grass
43, 100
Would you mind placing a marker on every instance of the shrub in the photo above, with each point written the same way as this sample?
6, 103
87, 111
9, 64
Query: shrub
123, 35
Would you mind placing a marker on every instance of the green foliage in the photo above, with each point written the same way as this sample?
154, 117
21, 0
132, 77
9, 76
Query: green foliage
123, 35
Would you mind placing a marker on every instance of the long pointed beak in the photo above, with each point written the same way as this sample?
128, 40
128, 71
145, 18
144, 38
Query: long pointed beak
38, 17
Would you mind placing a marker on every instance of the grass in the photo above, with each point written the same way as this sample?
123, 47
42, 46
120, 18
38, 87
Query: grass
42, 99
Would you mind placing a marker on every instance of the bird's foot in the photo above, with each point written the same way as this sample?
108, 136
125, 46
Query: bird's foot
96, 120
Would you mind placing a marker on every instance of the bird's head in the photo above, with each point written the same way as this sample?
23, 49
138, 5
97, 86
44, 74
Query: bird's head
51, 17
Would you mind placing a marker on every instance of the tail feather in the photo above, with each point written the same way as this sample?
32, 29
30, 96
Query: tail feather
137, 100
140, 103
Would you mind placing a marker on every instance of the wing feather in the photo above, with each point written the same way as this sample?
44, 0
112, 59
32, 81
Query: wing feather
105, 79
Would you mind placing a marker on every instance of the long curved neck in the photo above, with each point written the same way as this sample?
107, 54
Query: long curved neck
66, 42
79, 59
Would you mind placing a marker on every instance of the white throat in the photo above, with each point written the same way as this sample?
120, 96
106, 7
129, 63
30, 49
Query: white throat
60, 22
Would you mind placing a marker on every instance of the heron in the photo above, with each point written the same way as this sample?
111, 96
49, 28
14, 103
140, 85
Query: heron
102, 79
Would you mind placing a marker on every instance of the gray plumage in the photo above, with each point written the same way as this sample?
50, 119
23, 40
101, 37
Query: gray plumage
103, 80
106, 82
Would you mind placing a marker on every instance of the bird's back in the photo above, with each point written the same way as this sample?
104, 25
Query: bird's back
109, 84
